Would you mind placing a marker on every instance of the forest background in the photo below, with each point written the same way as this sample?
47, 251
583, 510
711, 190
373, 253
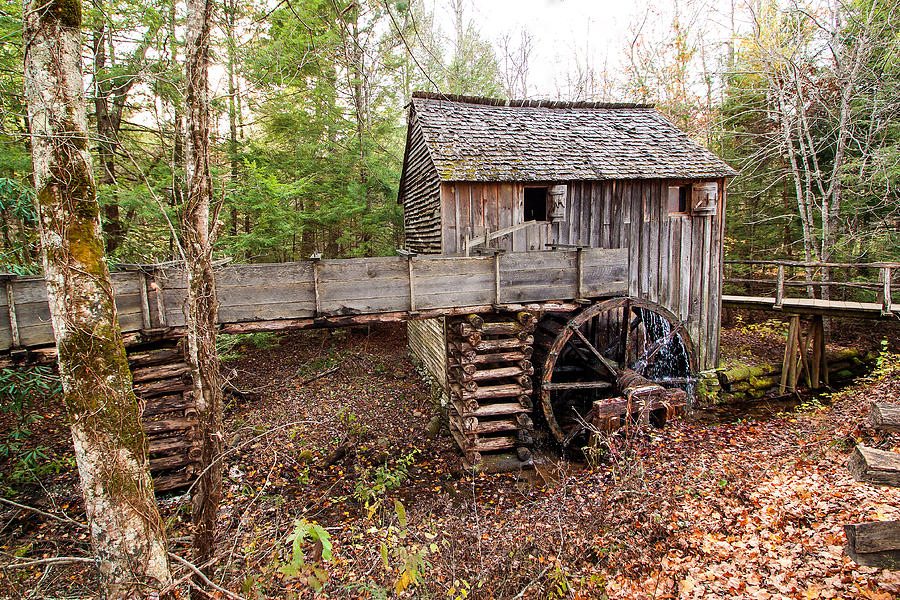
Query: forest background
309, 125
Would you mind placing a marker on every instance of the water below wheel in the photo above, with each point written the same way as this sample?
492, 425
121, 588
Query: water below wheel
590, 358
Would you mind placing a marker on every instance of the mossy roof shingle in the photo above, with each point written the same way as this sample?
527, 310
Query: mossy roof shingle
490, 140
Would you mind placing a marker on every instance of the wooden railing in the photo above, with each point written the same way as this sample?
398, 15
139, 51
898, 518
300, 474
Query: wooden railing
857, 282
482, 240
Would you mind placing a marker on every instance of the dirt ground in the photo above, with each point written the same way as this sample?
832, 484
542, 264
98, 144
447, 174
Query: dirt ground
742, 509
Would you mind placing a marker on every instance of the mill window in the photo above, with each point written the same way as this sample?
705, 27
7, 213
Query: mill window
679, 196
536, 203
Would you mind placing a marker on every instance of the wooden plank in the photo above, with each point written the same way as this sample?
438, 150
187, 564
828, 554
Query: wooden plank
684, 286
644, 268
14, 339
653, 258
673, 302
877, 536
665, 250
696, 280
584, 217
706, 290
877, 467
518, 214
509, 214
492, 200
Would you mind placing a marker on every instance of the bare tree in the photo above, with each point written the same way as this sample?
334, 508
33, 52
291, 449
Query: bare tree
812, 68
515, 60
198, 231
110, 446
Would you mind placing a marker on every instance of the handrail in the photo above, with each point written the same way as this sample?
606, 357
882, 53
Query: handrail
886, 271
814, 265
489, 236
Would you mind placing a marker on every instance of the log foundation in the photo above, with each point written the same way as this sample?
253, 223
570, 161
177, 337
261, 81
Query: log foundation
162, 383
489, 384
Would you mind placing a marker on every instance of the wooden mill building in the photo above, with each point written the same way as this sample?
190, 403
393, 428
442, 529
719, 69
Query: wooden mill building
532, 175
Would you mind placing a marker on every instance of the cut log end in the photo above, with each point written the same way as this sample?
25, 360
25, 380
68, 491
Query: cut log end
876, 467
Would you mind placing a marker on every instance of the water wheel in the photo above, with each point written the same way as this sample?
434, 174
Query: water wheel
594, 359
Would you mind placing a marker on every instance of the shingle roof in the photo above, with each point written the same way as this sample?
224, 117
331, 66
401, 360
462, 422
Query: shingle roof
479, 139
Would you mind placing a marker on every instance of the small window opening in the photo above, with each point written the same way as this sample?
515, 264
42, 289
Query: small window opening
678, 199
536, 204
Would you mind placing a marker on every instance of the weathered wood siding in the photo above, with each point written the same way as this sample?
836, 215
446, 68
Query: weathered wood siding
420, 193
674, 260
428, 344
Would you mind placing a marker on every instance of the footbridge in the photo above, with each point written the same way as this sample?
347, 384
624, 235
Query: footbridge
807, 293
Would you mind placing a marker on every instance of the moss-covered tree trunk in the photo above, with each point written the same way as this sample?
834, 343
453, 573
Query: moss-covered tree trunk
110, 446
201, 305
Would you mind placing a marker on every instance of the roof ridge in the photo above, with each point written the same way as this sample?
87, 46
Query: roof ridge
526, 103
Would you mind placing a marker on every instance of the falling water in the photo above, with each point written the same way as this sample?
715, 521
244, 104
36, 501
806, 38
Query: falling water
664, 352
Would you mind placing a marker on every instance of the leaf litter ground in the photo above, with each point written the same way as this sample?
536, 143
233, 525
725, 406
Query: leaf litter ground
744, 509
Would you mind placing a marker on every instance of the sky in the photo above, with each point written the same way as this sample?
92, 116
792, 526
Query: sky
590, 32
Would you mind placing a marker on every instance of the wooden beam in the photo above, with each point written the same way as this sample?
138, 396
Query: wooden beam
779, 288
877, 467
875, 544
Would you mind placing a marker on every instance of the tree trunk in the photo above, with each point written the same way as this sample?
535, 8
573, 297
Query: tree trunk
201, 305
110, 447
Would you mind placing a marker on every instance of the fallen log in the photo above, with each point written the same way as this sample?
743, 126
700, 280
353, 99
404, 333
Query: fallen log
885, 416
877, 467
507, 462
875, 544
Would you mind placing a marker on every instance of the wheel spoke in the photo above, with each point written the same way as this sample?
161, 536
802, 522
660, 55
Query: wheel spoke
577, 385
585, 357
603, 360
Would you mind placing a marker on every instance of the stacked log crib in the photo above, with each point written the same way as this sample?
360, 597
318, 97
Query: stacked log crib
162, 383
490, 384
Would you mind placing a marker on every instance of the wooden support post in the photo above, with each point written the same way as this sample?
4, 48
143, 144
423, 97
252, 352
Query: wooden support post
145, 300
160, 301
579, 273
885, 295
11, 306
625, 335
497, 278
315, 258
412, 282
779, 289
803, 362
817, 332
789, 365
